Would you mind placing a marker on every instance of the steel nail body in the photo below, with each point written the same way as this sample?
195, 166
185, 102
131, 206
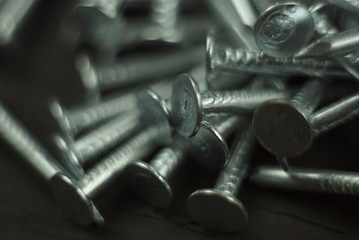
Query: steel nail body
17, 137
218, 208
238, 17
283, 27
98, 141
242, 61
141, 69
75, 120
188, 104
337, 44
327, 181
12, 16
76, 196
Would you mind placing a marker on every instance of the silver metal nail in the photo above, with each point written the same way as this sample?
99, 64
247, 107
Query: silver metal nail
283, 27
144, 68
89, 147
334, 115
151, 181
281, 126
75, 120
324, 28
14, 134
219, 80
337, 44
76, 196
309, 127
242, 61
326, 181
188, 104
12, 17
218, 208
238, 17
101, 23
165, 15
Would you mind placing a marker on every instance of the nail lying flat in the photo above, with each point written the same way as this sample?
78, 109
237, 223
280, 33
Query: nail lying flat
188, 104
326, 181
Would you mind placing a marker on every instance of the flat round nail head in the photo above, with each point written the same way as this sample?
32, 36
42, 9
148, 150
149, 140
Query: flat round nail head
217, 210
283, 29
149, 185
281, 128
186, 105
154, 111
210, 149
74, 201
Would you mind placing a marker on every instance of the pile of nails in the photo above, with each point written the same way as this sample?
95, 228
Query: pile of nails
175, 80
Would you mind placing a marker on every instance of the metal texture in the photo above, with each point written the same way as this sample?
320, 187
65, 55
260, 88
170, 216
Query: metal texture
226, 58
324, 28
322, 181
76, 197
15, 135
282, 126
218, 208
75, 120
12, 17
188, 104
282, 28
238, 18
151, 181
309, 127
101, 23
144, 68
337, 44
219, 80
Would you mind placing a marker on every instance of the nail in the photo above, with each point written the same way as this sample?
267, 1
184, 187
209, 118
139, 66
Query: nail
12, 17
75, 120
337, 182
141, 69
242, 61
238, 19
188, 30
337, 44
334, 115
15, 135
89, 147
219, 80
152, 181
218, 208
165, 13
281, 126
309, 127
282, 28
76, 197
83, 151
324, 28
100, 23
188, 104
